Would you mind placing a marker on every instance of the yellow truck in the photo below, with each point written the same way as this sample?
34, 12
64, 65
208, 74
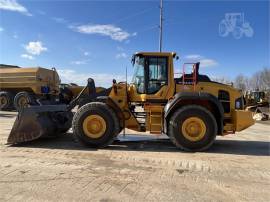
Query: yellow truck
23, 86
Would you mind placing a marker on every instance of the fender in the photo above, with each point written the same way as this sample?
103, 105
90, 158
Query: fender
194, 97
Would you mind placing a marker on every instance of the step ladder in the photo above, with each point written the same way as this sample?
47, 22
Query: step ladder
155, 119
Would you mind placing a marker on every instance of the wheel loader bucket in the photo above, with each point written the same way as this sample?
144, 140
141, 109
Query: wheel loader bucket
40, 121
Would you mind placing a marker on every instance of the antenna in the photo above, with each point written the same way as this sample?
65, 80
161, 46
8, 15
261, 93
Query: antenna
127, 84
126, 74
124, 131
160, 25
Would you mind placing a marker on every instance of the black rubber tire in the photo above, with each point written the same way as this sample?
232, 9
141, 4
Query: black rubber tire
101, 109
9, 100
176, 121
30, 99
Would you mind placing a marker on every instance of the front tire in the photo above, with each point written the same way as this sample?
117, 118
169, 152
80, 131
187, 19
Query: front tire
192, 128
95, 124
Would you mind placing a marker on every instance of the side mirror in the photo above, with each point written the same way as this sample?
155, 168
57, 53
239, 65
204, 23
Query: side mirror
133, 60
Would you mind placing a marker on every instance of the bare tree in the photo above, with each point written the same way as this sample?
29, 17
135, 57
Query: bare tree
222, 79
241, 82
265, 79
260, 80
255, 81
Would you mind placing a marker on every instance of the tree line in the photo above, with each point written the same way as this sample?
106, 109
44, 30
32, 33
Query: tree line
259, 81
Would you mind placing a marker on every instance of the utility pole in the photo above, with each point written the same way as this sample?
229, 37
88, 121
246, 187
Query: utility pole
160, 25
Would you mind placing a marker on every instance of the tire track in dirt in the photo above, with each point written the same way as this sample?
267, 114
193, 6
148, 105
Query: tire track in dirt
145, 161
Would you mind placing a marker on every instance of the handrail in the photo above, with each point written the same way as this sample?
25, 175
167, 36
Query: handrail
194, 75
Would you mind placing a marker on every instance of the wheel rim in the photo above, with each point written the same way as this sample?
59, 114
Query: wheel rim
3, 101
22, 102
193, 129
94, 126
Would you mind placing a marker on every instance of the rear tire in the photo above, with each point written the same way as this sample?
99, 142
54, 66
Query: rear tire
6, 100
23, 99
192, 128
95, 124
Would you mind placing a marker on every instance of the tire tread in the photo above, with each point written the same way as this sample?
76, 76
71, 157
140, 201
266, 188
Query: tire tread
95, 105
172, 121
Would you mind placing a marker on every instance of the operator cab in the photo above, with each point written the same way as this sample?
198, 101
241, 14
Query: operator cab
153, 76
258, 96
151, 72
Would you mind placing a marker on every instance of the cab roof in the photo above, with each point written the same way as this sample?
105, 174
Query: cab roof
173, 54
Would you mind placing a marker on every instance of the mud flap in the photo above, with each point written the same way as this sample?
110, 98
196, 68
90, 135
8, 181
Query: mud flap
40, 121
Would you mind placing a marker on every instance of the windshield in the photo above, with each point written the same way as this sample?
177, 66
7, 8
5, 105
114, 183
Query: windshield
138, 76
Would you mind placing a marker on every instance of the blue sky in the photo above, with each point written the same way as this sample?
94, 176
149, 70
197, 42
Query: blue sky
97, 38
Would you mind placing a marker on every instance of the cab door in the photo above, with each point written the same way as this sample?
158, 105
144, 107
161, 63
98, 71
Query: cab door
156, 75
156, 85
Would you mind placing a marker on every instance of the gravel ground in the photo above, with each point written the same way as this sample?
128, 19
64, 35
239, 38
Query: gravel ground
138, 168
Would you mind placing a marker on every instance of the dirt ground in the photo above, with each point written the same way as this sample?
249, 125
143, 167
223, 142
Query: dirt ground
139, 168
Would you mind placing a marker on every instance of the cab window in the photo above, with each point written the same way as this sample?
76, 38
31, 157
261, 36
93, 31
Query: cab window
157, 74
138, 76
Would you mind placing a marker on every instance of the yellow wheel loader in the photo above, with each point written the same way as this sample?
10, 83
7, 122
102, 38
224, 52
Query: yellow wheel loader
191, 110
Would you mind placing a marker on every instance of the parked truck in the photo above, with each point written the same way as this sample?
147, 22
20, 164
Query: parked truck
22, 86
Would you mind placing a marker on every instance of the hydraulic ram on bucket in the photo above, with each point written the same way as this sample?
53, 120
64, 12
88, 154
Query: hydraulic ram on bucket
45, 121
